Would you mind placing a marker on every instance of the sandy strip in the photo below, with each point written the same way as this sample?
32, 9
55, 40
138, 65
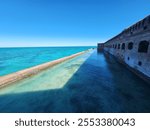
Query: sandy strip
13, 77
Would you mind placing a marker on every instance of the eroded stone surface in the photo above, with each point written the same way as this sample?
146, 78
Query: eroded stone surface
132, 47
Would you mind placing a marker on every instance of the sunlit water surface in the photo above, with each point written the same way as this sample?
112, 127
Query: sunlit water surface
15, 59
92, 82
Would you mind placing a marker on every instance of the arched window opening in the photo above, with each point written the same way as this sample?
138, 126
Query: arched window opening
140, 63
118, 46
143, 47
123, 46
130, 46
136, 27
145, 27
139, 25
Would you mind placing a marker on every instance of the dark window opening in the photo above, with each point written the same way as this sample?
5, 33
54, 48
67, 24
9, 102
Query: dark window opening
136, 26
130, 46
130, 29
123, 46
145, 27
133, 28
139, 25
128, 58
118, 46
143, 47
140, 63
115, 46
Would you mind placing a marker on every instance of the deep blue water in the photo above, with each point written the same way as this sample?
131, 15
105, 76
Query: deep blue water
100, 84
15, 59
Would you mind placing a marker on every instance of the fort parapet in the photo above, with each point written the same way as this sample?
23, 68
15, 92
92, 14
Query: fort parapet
132, 48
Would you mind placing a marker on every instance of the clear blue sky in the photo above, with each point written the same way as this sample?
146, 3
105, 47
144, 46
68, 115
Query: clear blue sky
66, 22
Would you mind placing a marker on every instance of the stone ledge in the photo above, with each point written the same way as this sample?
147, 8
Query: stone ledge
14, 77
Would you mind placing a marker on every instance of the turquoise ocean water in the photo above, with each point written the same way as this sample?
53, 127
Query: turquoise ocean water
15, 59
92, 82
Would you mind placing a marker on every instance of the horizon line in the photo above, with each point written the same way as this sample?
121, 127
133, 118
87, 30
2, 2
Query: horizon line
47, 46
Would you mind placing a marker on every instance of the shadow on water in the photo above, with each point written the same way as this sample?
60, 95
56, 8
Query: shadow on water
101, 84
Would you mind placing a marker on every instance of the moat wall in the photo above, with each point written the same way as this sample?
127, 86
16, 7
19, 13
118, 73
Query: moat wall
17, 76
132, 47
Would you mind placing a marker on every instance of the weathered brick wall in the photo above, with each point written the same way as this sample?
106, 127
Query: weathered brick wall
138, 56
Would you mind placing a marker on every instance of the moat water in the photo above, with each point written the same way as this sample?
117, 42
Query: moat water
92, 82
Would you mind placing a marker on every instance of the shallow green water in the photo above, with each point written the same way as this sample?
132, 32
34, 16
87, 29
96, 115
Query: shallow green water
93, 82
52, 78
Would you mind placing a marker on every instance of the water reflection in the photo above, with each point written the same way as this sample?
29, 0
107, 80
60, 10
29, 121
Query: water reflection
101, 84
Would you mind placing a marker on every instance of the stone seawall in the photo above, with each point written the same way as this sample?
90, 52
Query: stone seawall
14, 77
132, 47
